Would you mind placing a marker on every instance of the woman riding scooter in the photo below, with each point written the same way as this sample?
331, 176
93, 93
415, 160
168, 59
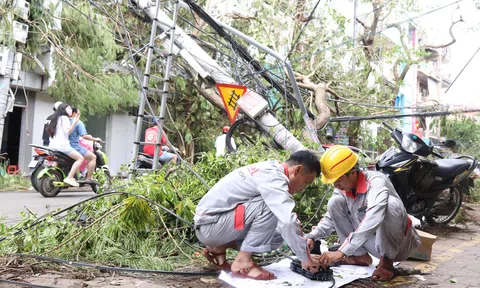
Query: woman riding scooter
59, 130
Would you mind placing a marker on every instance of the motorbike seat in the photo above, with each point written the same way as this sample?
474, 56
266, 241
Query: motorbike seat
451, 167
146, 155
39, 146
61, 155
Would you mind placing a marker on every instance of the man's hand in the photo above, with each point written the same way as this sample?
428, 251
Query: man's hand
310, 265
99, 140
310, 243
328, 258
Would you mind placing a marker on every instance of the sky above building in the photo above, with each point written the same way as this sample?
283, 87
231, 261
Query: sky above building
465, 91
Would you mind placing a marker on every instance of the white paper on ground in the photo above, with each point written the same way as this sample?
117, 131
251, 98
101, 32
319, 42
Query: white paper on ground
343, 274
286, 277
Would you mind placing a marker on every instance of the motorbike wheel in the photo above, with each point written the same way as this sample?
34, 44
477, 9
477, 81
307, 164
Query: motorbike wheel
33, 178
246, 139
454, 202
94, 188
45, 184
105, 180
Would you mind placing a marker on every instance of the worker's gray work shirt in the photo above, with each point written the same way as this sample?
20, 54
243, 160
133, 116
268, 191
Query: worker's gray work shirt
367, 208
264, 181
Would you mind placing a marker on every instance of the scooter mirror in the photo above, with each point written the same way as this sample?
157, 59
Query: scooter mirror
450, 143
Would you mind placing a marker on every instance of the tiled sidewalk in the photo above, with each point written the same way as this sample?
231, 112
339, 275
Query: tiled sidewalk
455, 262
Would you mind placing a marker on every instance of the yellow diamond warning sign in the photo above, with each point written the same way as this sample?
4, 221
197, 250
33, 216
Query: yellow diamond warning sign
230, 94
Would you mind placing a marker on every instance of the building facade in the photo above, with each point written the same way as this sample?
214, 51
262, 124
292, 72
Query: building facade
25, 102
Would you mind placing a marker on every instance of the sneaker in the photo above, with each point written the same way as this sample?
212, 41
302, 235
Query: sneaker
71, 182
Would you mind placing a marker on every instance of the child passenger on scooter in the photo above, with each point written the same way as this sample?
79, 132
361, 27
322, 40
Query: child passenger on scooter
80, 131
59, 129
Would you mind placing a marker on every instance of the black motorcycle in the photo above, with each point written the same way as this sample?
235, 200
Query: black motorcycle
431, 190
145, 161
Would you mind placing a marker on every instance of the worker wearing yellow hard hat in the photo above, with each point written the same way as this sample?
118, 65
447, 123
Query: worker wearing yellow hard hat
337, 161
367, 214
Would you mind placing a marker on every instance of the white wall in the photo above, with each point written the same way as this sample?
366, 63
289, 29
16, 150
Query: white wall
39, 107
42, 109
119, 135
26, 133
119, 141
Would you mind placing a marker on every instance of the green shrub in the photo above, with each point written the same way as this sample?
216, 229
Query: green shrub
129, 231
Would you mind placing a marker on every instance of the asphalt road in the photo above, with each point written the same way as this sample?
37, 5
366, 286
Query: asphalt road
12, 203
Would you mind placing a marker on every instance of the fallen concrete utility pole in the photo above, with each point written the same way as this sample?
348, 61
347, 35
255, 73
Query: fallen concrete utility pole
200, 58
243, 52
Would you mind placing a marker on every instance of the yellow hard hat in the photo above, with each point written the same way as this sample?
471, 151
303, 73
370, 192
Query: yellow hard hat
337, 161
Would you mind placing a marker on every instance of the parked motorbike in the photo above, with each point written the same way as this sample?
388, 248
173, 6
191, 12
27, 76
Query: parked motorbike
50, 178
145, 161
431, 190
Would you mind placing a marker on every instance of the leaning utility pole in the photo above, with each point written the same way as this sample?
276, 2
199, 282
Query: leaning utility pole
207, 68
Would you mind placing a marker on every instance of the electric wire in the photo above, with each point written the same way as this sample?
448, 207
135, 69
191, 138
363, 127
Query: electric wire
310, 17
138, 77
241, 50
25, 284
386, 106
151, 109
359, 37
116, 269
135, 35
94, 198
380, 7
200, 60
156, 59
279, 65
81, 264
198, 29
393, 116
461, 71
129, 45
319, 207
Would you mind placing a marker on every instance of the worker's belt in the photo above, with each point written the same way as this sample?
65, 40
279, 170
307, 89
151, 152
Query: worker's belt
239, 217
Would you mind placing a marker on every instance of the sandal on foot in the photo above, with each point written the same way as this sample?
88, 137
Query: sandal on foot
383, 274
264, 274
357, 260
211, 257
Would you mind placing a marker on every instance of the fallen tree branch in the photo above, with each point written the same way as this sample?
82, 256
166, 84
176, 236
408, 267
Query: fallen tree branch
173, 239
84, 229
451, 34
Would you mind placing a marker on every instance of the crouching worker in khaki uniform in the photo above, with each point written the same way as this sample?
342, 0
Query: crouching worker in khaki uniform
367, 214
251, 210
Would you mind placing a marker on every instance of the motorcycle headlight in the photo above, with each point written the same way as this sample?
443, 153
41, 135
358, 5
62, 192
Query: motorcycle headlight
408, 145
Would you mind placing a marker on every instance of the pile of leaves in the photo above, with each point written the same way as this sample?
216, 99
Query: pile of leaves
10, 182
134, 229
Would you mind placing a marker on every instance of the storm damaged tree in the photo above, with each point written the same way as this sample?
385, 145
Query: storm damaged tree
408, 56
324, 54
